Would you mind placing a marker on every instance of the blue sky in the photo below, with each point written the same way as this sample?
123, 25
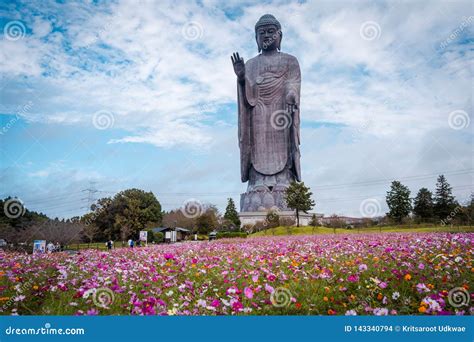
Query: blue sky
142, 94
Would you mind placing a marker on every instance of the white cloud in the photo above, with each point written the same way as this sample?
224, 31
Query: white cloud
133, 60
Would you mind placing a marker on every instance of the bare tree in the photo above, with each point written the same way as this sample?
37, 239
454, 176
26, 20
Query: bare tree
64, 232
89, 231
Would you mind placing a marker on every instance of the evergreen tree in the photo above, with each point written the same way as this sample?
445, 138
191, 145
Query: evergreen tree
298, 198
231, 213
314, 221
398, 201
469, 211
444, 202
423, 205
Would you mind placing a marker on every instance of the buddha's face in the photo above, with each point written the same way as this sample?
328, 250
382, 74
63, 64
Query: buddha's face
268, 37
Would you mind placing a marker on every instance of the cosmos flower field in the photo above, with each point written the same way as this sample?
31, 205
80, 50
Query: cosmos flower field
373, 274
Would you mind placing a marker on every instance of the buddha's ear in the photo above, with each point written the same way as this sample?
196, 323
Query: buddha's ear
258, 45
279, 42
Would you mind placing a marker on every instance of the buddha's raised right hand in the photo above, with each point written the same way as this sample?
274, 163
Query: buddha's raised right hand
239, 65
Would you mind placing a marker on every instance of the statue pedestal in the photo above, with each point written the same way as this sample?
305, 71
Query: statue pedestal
250, 217
263, 200
255, 205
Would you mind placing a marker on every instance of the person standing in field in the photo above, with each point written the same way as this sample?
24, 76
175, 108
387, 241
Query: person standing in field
109, 244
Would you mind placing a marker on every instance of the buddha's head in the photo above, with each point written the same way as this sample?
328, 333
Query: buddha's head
268, 33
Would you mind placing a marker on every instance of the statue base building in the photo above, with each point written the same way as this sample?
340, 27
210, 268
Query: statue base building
255, 216
255, 205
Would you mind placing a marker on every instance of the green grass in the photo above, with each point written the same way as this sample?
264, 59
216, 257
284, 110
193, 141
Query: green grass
99, 245
308, 230
92, 245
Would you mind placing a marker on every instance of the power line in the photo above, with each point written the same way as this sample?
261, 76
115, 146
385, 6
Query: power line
92, 190
383, 181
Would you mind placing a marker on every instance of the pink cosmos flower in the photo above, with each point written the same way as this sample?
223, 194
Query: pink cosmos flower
248, 292
422, 288
168, 256
351, 313
433, 305
271, 277
237, 306
232, 290
380, 311
19, 298
353, 278
269, 289
92, 312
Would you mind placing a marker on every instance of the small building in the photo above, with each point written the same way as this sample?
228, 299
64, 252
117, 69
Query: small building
212, 235
172, 234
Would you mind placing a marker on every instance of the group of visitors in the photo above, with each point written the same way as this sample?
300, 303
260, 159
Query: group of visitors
131, 243
51, 247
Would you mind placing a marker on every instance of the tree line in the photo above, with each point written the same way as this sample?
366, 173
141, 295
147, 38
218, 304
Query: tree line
439, 207
124, 215
117, 218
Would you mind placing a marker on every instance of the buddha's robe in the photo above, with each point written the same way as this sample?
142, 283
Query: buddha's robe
269, 136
